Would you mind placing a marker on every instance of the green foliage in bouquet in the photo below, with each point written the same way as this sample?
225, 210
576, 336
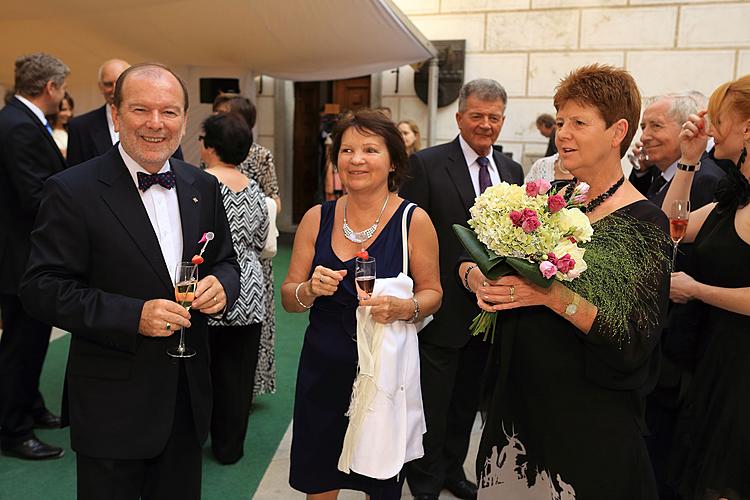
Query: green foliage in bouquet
495, 266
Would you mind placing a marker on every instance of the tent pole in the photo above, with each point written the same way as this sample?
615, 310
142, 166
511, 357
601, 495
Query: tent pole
432, 98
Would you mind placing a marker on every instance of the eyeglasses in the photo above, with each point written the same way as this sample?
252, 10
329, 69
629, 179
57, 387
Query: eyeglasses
201, 138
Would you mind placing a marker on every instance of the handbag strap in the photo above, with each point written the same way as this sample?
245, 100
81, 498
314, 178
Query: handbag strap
405, 237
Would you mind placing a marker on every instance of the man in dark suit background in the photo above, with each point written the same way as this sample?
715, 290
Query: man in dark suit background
92, 134
109, 235
661, 124
28, 156
682, 339
444, 180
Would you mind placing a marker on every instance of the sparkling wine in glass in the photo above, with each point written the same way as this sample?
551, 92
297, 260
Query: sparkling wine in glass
186, 279
679, 215
364, 276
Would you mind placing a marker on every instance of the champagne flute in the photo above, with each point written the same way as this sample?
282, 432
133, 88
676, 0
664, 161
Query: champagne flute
364, 275
679, 214
186, 279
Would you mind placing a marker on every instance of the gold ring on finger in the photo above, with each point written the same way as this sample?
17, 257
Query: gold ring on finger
512, 290
484, 283
512, 297
215, 299
321, 279
168, 326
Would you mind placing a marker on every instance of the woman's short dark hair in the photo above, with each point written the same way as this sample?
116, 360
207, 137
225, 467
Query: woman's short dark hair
610, 90
369, 122
229, 135
237, 104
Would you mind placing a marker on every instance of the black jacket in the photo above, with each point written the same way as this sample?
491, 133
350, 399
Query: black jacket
439, 182
94, 261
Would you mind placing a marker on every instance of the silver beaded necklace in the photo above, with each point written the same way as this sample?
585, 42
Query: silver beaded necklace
366, 234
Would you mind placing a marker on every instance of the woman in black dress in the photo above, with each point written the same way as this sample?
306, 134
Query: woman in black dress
371, 158
713, 451
572, 362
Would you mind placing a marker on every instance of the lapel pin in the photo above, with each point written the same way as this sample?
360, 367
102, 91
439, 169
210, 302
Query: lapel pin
195, 200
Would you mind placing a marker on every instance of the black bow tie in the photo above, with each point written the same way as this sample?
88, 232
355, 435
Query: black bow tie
165, 179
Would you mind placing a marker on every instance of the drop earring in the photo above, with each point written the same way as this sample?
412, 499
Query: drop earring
743, 157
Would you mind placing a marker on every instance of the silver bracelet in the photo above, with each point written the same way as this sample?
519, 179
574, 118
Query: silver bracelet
415, 317
466, 277
296, 296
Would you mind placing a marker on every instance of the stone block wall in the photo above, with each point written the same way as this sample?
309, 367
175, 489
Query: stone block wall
529, 45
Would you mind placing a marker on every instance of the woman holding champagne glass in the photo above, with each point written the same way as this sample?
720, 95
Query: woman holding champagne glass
713, 456
371, 159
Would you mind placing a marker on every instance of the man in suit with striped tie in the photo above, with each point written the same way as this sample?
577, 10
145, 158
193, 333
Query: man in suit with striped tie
28, 156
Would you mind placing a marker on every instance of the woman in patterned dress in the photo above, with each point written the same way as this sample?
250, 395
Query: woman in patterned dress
236, 337
259, 166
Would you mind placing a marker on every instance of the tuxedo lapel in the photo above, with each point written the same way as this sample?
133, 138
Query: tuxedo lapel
459, 173
100, 135
502, 172
190, 201
121, 195
15, 102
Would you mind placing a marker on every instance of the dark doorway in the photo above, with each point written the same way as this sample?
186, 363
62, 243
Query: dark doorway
309, 149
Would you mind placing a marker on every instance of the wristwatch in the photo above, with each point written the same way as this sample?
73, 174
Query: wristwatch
689, 168
572, 308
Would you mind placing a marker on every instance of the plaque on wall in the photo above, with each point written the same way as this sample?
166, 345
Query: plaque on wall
451, 56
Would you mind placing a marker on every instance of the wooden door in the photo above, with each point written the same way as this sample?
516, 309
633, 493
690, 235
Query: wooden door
352, 94
309, 98
306, 178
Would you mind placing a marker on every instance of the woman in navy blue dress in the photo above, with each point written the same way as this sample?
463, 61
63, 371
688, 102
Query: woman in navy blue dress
371, 159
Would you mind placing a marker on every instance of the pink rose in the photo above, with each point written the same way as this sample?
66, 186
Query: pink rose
548, 269
529, 225
580, 199
555, 203
544, 186
583, 188
551, 257
529, 213
532, 189
516, 217
565, 263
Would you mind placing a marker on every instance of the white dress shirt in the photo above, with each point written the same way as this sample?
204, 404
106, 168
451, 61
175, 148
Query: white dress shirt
668, 174
471, 161
34, 109
115, 136
163, 211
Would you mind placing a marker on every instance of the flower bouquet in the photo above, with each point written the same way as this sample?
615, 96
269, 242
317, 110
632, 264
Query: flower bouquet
527, 230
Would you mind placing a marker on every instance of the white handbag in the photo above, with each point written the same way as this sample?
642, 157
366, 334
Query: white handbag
269, 249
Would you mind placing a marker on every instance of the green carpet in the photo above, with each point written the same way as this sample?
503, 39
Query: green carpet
23, 480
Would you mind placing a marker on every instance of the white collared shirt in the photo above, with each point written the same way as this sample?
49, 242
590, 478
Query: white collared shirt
668, 174
34, 109
471, 161
163, 211
114, 136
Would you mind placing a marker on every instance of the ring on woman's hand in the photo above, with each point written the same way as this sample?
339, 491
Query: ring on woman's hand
321, 279
512, 290
215, 299
168, 326
484, 283
512, 297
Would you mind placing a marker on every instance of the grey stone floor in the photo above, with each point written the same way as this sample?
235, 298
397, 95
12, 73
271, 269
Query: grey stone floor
275, 485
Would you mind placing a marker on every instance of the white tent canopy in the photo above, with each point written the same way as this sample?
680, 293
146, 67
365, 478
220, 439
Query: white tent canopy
290, 39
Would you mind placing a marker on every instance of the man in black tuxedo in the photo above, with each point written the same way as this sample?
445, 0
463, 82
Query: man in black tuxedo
92, 134
108, 238
681, 342
28, 156
444, 180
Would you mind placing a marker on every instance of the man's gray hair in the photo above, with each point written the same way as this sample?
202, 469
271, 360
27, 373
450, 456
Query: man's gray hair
35, 70
685, 104
484, 89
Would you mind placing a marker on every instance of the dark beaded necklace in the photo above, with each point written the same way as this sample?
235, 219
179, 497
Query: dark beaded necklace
591, 206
